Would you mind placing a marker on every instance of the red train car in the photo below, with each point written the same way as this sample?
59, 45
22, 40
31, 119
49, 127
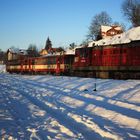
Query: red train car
109, 61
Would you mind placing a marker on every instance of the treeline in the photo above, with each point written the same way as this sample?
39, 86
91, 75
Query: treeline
31, 51
3, 57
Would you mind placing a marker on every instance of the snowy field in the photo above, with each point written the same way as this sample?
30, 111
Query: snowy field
2, 68
67, 108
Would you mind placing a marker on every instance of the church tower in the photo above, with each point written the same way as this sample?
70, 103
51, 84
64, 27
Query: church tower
48, 44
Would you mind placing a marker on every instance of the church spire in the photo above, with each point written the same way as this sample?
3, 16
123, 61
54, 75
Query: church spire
48, 44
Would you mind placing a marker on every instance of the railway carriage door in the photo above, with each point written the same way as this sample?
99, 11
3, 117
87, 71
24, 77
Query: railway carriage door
124, 56
58, 65
21, 69
29, 65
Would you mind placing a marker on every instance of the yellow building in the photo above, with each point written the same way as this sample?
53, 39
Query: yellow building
43, 52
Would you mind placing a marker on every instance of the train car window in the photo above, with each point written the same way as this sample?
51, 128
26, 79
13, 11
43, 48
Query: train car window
33, 62
124, 51
84, 52
114, 52
66, 60
48, 60
41, 61
81, 52
76, 53
104, 52
51, 60
54, 59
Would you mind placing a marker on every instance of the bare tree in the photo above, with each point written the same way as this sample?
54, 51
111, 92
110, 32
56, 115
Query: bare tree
32, 51
3, 57
94, 29
131, 10
122, 25
72, 46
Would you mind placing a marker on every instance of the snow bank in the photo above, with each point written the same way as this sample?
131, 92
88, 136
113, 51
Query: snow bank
2, 68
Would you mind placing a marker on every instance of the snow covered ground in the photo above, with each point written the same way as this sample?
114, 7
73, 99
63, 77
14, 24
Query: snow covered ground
2, 68
67, 108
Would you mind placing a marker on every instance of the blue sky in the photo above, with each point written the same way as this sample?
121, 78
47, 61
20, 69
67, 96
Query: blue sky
24, 22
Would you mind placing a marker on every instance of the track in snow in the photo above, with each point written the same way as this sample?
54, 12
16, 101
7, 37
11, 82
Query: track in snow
46, 111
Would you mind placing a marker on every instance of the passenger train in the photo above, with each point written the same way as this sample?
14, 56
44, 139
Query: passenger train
117, 61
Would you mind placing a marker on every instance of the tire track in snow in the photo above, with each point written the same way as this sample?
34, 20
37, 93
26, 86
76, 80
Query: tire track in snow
52, 87
77, 111
81, 111
17, 122
103, 103
134, 106
77, 114
98, 103
24, 126
63, 119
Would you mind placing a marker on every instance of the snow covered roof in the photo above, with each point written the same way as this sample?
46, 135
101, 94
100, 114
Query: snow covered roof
118, 28
105, 28
70, 51
17, 51
91, 43
126, 37
50, 54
